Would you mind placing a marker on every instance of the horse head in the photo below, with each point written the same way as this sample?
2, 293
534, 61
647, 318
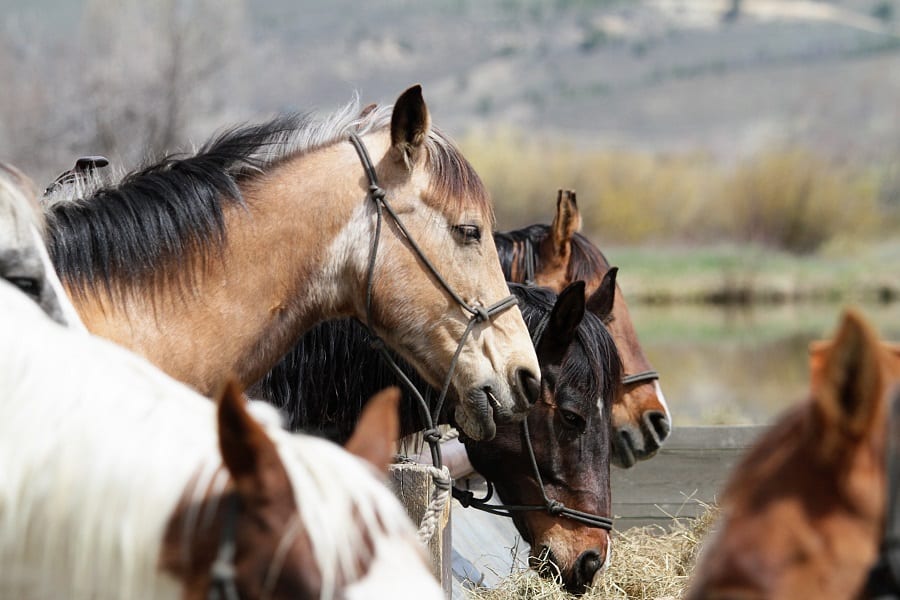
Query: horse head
803, 512
264, 535
24, 261
569, 432
554, 256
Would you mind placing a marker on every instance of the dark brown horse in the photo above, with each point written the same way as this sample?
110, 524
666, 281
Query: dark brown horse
555, 255
322, 383
803, 514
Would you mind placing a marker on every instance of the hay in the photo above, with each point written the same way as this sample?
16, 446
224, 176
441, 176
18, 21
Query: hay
649, 563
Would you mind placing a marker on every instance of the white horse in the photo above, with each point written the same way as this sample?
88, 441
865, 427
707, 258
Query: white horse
114, 484
24, 261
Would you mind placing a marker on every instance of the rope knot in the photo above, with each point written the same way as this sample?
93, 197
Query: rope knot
555, 507
480, 314
376, 192
432, 436
464, 497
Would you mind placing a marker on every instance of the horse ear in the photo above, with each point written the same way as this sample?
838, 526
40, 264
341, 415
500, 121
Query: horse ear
377, 430
604, 297
566, 222
410, 123
248, 453
564, 319
847, 382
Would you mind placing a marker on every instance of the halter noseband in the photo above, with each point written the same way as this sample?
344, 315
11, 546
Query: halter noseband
479, 314
551, 506
530, 269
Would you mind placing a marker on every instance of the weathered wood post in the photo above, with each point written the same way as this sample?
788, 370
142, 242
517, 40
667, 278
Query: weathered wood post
414, 486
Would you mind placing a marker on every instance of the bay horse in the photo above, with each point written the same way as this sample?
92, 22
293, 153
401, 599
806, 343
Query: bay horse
554, 256
116, 481
321, 383
24, 261
804, 512
215, 263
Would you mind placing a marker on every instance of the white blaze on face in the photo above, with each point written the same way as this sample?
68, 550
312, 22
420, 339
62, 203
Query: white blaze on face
662, 401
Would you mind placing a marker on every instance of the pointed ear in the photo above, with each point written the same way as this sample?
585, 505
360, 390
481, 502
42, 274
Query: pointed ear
249, 455
565, 224
848, 384
410, 123
604, 297
564, 319
377, 430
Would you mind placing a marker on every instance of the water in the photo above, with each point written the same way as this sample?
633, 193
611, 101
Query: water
740, 366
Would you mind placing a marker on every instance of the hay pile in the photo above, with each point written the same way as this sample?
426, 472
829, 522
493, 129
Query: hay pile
649, 563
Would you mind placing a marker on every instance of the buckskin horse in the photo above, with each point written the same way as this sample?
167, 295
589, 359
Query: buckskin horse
120, 482
555, 255
215, 263
808, 508
560, 498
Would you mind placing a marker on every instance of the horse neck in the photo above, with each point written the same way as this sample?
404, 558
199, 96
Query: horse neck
293, 256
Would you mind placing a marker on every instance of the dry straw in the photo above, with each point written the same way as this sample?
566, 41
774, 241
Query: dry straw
649, 563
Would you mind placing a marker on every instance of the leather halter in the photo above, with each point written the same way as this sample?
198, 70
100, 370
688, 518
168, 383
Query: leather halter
551, 506
530, 269
884, 578
479, 314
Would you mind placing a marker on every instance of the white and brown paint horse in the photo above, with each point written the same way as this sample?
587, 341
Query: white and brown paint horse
216, 263
114, 483
24, 261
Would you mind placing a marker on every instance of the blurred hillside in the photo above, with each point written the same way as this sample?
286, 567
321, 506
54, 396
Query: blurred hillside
704, 84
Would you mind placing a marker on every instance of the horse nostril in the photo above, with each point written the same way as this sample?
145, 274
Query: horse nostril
587, 565
657, 424
529, 384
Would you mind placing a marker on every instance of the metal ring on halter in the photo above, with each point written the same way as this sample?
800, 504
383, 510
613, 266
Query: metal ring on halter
478, 313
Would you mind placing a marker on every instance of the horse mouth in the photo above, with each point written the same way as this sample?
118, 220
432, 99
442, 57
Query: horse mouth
477, 415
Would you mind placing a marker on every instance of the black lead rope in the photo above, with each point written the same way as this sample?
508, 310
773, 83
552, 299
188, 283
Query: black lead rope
551, 506
479, 314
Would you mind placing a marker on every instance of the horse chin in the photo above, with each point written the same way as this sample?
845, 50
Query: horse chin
476, 415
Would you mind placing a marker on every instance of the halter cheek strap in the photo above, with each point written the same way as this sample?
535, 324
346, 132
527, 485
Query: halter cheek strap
479, 314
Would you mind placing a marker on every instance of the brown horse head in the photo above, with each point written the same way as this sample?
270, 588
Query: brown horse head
560, 256
569, 431
803, 512
255, 536
216, 263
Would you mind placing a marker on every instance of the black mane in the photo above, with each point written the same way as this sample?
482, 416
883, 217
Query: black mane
322, 384
587, 260
164, 215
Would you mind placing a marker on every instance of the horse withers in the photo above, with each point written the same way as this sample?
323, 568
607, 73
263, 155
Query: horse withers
554, 256
215, 263
803, 514
119, 482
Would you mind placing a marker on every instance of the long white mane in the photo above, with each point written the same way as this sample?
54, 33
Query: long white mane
97, 447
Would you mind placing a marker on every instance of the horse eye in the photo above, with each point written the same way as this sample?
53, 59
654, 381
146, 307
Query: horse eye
468, 234
30, 286
571, 419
